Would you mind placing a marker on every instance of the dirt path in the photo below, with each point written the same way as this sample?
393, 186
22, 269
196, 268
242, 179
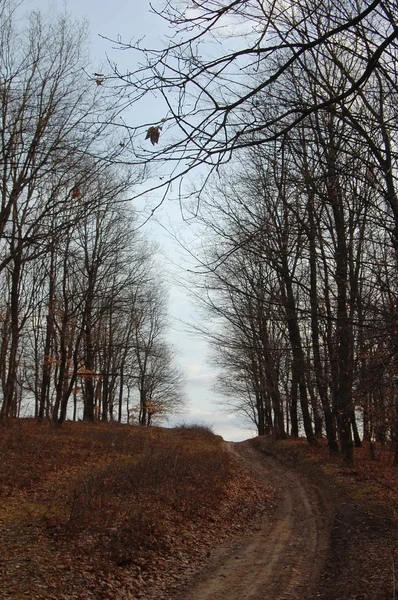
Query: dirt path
281, 558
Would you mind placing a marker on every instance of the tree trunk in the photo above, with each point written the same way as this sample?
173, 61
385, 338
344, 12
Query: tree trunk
343, 388
297, 351
330, 426
9, 388
357, 438
293, 403
46, 375
120, 403
88, 409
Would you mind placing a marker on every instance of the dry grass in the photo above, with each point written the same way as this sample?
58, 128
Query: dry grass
372, 481
97, 510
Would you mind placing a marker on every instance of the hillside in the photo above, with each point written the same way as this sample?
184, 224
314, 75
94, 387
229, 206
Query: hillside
360, 505
112, 511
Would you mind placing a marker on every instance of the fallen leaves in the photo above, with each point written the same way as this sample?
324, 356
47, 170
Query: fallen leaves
363, 530
150, 506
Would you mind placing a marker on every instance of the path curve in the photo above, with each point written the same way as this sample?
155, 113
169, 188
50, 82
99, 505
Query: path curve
282, 556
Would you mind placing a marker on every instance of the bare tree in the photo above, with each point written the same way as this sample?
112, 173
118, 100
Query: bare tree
158, 379
50, 122
226, 59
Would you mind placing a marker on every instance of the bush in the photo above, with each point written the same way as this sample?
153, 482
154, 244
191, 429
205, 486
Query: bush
196, 429
179, 479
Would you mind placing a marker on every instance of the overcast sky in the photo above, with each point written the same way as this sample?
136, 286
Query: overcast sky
133, 19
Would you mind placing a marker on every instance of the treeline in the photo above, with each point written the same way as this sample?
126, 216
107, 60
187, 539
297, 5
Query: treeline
82, 312
301, 249
292, 108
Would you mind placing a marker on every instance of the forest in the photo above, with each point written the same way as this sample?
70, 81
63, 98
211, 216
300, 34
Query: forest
274, 131
287, 114
83, 311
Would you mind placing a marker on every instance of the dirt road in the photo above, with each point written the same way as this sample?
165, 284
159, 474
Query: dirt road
283, 554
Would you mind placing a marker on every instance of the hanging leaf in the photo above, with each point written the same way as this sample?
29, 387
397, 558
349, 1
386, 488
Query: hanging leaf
76, 193
99, 78
153, 134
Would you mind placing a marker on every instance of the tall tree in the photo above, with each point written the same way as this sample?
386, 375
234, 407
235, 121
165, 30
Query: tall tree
49, 123
225, 58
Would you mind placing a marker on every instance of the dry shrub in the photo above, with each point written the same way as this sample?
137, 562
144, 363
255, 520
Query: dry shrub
199, 430
121, 438
128, 507
137, 537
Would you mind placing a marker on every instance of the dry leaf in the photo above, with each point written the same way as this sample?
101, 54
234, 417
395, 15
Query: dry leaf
153, 134
99, 78
76, 193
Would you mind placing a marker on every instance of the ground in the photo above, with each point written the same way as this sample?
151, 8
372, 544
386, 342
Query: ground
282, 555
107, 511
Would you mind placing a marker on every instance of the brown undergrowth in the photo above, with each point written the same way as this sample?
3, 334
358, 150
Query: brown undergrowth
362, 562
112, 511
372, 482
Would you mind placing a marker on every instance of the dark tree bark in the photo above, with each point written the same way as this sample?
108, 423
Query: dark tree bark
12, 362
298, 363
343, 404
46, 375
315, 311
293, 404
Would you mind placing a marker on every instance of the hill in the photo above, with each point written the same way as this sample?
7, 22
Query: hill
115, 511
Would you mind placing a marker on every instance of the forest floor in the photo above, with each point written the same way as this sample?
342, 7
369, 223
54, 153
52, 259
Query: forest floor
108, 511
358, 507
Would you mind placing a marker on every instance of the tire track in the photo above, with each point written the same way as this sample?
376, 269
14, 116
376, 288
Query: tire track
281, 558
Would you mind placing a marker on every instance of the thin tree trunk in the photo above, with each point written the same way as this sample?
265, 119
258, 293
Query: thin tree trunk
297, 352
293, 402
46, 375
88, 410
120, 403
318, 370
343, 397
357, 438
9, 388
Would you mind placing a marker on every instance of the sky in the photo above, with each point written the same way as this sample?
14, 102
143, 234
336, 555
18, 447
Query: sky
127, 19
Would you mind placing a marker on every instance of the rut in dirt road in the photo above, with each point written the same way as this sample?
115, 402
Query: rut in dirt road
281, 558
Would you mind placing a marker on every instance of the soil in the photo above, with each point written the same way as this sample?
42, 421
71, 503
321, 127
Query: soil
292, 522
284, 553
316, 544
